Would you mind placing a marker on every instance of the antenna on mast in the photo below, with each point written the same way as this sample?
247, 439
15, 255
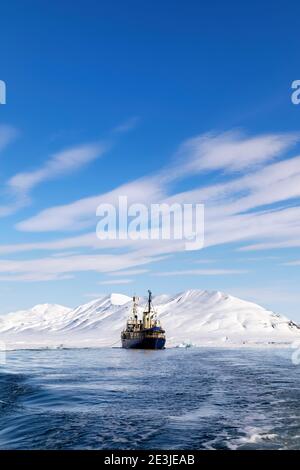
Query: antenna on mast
134, 308
149, 300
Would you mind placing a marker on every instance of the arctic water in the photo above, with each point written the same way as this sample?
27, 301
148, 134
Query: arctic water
194, 398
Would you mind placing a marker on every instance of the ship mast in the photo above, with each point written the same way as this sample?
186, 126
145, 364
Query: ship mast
149, 300
147, 316
134, 308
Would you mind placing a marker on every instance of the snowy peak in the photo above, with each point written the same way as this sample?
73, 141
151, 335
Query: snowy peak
119, 299
33, 317
49, 309
105, 301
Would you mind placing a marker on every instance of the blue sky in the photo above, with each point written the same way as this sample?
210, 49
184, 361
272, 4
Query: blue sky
106, 94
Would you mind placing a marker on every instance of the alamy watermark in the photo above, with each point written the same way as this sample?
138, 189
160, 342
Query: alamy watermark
139, 221
295, 97
2, 92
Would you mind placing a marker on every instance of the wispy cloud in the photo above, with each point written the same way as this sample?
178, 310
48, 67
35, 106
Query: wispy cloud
59, 164
50, 268
200, 272
7, 135
94, 295
270, 245
292, 263
129, 272
231, 151
127, 125
62, 163
82, 213
116, 281
18, 188
34, 277
257, 205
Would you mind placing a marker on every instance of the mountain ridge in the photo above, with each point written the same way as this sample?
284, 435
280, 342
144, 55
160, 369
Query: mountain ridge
192, 317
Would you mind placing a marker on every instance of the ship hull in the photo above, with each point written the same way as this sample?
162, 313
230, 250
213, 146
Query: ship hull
143, 343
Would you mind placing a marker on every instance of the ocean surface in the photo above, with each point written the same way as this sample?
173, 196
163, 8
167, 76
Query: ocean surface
171, 399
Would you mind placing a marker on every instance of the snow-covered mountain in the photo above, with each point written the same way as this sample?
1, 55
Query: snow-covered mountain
195, 317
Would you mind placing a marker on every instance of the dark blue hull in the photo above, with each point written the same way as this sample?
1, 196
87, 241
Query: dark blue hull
143, 343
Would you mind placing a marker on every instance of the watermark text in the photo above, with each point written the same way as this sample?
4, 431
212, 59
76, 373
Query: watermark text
2, 92
295, 97
163, 221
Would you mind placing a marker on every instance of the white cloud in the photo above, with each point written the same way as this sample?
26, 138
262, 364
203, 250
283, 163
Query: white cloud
265, 225
127, 125
94, 295
235, 210
88, 240
129, 272
200, 272
7, 135
231, 151
271, 245
18, 187
82, 241
12, 207
274, 183
34, 277
53, 268
82, 213
205, 261
59, 164
292, 263
116, 281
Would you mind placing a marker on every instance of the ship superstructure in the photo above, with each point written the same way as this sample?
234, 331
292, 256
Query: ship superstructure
145, 333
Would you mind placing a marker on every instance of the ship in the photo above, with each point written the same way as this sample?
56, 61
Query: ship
145, 333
